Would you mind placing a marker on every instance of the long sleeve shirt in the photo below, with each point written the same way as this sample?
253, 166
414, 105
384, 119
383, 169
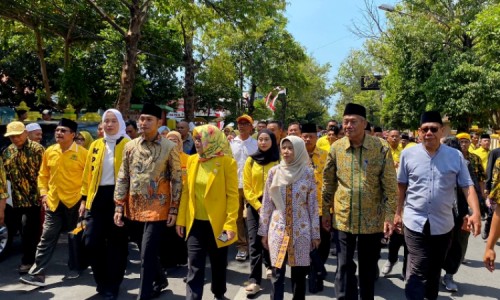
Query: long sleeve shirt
149, 183
254, 180
21, 167
362, 182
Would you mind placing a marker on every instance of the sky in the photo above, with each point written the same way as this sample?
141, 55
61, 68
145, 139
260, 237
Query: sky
322, 27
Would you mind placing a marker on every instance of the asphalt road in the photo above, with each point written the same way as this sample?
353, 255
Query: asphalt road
474, 281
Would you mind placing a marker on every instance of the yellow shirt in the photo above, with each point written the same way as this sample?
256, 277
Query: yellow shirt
204, 170
410, 144
472, 148
396, 153
318, 162
254, 180
483, 155
61, 173
323, 143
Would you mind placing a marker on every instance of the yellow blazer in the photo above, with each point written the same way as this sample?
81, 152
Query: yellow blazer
221, 197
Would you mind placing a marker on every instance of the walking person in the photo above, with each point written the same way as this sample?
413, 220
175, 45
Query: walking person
208, 210
148, 190
489, 253
59, 183
255, 174
105, 243
242, 146
427, 177
22, 160
289, 219
360, 178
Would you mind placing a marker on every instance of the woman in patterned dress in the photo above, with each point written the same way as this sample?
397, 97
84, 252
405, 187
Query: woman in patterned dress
289, 220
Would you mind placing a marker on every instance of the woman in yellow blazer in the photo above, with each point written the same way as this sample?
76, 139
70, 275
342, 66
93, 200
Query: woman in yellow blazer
208, 210
105, 243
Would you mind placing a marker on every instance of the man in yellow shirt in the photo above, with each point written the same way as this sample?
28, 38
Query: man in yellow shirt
323, 141
484, 149
59, 182
393, 140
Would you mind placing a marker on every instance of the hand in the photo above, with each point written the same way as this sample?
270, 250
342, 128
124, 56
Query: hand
43, 199
230, 235
388, 228
487, 202
474, 224
180, 230
171, 220
398, 224
118, 219
315, 243
81, 210
489, 259
264, 243
326, 222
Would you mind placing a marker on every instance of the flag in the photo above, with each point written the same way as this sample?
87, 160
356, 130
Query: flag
268, 97
280, 91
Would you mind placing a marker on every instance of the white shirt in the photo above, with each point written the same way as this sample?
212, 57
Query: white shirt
241, 150
108, 165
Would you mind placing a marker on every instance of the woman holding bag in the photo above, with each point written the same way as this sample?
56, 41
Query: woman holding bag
289, 220
105, 243
255, 173
208, 210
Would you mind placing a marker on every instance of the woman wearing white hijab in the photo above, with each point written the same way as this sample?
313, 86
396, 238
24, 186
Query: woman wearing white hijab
289, 220
105, 243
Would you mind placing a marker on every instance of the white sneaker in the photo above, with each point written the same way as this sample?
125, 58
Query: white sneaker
269, 273
252, 289
387, 268
449, 283
242, 255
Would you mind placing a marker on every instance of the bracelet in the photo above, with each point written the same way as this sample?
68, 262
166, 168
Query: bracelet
119, 209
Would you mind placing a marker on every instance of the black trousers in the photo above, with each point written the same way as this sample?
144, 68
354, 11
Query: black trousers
426, 255
30, 230
395, 242
151, 271
324, 246
458, 247
346, 283
299, 274
106, 243
201, 242
173, 249
258, 254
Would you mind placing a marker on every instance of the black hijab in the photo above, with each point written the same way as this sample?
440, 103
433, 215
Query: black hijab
265, 157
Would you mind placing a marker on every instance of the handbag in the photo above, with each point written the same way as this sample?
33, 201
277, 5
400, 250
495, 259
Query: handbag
317, 272
77, 259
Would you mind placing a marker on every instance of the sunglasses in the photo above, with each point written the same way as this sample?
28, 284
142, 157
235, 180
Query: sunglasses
431, 128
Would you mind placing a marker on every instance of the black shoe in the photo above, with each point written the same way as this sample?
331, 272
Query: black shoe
109, 296
157, 288
36, 280
484, 234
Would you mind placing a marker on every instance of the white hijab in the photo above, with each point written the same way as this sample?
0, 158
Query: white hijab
121, 130
289, 173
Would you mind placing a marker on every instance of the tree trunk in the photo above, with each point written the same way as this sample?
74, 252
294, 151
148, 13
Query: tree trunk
129, 66
189, 77
251, 100
43, 66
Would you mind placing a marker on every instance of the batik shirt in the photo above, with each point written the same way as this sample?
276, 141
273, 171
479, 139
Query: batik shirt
149, 183
362, 182
495, 183
21, 167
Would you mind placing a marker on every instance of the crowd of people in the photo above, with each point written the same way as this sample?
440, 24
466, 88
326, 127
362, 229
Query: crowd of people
283, 197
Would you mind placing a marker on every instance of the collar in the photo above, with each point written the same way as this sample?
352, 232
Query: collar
73, 147
368, 142
157, 139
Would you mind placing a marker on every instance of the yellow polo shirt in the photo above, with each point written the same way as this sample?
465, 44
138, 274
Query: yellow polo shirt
61, 174
396, 153
317, 163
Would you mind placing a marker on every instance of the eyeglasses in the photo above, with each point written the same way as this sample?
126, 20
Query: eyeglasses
80, 139
62, 130
244, 124
431, 128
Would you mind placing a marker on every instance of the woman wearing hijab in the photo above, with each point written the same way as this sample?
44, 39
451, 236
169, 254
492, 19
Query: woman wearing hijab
255, 173
208, 210
289, 220
105, 242
84, 138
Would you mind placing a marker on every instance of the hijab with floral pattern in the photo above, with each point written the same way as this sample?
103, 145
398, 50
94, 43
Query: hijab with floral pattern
213, 141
